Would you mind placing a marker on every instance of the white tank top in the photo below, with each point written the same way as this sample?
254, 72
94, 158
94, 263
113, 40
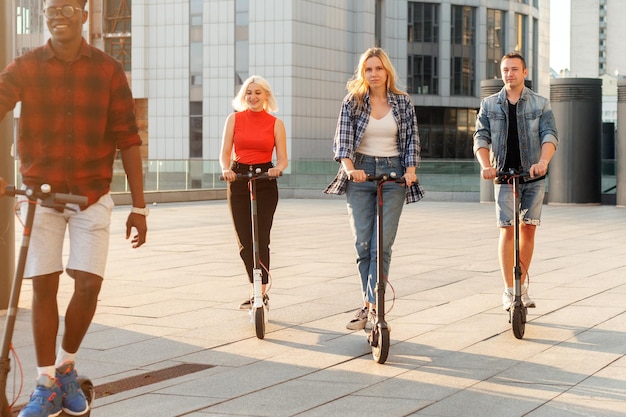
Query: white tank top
380, 137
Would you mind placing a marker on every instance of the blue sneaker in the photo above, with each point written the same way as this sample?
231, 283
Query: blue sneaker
45, 401
74, 400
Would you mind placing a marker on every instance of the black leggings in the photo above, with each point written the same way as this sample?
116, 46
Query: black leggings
239, 204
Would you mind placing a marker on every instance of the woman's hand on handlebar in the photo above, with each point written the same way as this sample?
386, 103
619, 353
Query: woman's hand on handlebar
229, 175
357, 175
3, 186
274, 172
409, 178
488, 173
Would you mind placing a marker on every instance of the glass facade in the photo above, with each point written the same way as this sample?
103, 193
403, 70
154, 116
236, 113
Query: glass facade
495, 42
117, 31
463, 51
521, 33
195, 129
423, 48
196, 74
29, 25
445, 132
242, 66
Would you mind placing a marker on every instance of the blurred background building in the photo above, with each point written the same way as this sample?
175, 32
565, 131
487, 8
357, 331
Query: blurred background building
185, 60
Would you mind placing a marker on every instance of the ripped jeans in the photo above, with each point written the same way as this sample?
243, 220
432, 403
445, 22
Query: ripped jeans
361, 200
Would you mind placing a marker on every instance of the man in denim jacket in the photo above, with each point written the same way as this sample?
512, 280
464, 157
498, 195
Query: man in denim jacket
515, 128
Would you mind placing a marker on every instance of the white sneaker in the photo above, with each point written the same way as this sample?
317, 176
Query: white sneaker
526, 300
371, 319
359, 321
507, 300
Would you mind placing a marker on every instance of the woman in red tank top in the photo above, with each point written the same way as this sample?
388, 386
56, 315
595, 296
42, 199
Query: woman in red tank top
251, 136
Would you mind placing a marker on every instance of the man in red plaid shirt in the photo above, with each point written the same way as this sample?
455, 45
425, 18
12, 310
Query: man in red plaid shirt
77, 110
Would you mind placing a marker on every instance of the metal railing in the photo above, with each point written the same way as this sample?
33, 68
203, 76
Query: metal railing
194, 174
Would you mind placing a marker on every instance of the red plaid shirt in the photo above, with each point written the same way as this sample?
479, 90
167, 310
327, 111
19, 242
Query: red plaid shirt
74, 117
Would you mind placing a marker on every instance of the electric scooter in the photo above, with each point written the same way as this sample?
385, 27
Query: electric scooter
379, 337
46, 199
517, 312
258, 310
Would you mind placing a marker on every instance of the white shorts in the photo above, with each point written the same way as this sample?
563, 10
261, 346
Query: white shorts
88, 239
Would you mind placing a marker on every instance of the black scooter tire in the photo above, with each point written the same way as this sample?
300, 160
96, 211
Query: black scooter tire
259, 321
380, 340
518, 321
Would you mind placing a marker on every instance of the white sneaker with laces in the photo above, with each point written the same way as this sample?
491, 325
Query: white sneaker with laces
507, 299
359, 321
371, 319
526, 300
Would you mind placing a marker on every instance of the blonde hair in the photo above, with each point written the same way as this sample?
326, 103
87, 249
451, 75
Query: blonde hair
357, 86
239, 102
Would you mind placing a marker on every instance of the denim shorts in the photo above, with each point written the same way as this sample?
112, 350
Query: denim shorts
531, 201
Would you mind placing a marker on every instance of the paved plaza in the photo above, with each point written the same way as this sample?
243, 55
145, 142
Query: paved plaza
168, 339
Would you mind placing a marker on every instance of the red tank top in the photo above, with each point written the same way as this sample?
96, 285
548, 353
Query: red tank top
253, 139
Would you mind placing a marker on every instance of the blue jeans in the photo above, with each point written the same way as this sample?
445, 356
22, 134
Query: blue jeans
361, 199
531, 201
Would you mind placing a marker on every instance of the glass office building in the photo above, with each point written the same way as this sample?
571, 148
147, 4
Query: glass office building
186, 59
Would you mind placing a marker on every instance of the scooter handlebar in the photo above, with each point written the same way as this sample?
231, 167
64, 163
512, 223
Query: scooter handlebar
392, 176
44, 194
254, 176
511, 173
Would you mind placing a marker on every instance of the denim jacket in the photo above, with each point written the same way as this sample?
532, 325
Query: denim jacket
535, 126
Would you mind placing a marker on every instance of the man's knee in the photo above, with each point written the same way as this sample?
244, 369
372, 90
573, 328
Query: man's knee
86, 283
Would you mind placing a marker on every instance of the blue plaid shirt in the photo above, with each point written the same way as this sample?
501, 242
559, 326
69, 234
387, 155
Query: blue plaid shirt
351, 128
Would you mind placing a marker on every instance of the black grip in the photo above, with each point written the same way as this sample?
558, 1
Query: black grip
386, 177
254, 176
512, 173
60, 198
10, 190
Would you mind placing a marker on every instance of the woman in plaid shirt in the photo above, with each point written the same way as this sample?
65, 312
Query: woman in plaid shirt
376, 133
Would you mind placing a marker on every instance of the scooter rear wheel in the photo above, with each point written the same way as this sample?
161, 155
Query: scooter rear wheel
518, 321
259, 321
379, 339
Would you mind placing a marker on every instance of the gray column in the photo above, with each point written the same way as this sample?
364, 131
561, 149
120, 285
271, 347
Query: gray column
576, 169
620, 157
7, 222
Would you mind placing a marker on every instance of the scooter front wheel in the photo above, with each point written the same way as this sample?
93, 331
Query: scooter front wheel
259, 321
380, 340
518, 321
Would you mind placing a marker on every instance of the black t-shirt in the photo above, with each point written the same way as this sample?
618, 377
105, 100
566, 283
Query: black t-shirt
513, 159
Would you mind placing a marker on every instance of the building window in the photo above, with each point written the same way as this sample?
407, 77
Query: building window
521, 33
195, 129
463, 53
28, 25
195, 13
196, 75
117, 31
446, 132
423, 48
195, 63
495, 42
378, 17
242, 66
423, 75
423, 22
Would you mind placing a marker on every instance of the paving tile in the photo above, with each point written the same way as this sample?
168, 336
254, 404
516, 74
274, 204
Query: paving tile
452, 350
